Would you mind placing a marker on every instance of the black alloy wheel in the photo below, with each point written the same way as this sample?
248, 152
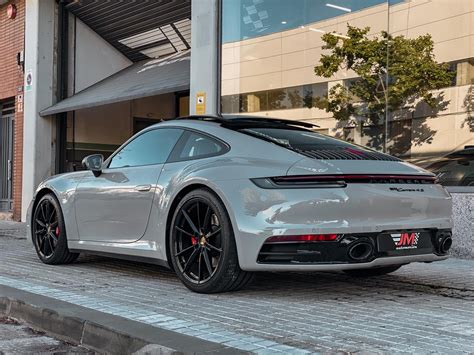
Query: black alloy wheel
49, 232
203, 251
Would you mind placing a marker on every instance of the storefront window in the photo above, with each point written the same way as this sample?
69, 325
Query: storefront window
394, 75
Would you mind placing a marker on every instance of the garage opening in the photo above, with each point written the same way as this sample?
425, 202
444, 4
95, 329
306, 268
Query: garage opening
121, 68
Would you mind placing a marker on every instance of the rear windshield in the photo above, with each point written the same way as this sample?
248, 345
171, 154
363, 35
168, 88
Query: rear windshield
300, 139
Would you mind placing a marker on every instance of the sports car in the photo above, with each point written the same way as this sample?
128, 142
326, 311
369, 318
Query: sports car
216, 198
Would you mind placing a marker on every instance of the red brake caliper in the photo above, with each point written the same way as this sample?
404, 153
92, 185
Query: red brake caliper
57, 231
194, 240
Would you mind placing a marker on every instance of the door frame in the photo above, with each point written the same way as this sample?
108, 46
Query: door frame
7, 120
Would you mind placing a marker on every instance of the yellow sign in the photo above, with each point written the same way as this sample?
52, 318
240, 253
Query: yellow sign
200, 103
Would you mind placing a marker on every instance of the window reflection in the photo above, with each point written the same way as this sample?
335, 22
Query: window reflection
271, 47
303, 96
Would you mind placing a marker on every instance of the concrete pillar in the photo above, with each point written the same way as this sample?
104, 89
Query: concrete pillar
38, 150
205, 54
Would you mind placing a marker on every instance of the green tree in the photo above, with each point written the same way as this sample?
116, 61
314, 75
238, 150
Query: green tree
393, 72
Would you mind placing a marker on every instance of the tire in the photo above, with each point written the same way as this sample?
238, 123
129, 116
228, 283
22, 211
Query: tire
379, 271
49, 232
208, 236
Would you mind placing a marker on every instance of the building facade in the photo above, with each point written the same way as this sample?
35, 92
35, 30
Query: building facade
270, 49
12, 24
96, 72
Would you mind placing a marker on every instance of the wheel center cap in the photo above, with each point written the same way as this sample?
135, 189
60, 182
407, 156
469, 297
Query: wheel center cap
202, 241
48, 229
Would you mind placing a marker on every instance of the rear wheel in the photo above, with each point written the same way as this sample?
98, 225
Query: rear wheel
202, 248
49, 232
373, 272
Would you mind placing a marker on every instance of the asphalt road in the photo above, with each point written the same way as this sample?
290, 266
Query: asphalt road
421, 308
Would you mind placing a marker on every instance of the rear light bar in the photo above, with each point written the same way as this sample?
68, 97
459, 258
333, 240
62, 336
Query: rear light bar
305, 238
327, 181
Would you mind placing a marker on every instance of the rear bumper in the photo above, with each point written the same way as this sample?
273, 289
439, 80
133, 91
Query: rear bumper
379, 262
366, 209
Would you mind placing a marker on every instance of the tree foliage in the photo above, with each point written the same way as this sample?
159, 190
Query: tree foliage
407, 65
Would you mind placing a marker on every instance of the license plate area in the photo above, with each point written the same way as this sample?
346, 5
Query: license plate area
404, 242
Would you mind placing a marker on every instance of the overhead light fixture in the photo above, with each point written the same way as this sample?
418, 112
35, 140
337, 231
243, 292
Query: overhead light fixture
333, 33
346, 9
283, 22
173, 37
184, 28
316, 30
159, 51
340, 36
144, 38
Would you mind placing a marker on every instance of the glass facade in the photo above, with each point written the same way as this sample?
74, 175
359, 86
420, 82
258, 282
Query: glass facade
393, 75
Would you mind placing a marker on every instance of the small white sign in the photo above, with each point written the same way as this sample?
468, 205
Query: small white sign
29, 80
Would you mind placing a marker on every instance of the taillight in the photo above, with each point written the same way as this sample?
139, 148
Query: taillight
304, 238
339, 180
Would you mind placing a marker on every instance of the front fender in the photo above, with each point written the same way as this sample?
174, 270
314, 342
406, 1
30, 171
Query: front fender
63, 187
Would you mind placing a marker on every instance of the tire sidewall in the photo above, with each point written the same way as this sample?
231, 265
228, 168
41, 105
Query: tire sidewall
61, 246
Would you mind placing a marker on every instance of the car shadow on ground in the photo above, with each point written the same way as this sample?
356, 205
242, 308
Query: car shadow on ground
327, 284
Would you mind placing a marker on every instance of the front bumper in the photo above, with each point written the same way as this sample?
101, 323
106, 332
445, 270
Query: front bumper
28, 221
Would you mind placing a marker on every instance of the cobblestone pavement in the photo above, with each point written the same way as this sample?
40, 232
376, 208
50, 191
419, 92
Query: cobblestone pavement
421, 308
12, 229
20, 339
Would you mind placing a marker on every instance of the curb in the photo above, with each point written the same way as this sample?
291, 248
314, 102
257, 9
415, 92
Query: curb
99, 331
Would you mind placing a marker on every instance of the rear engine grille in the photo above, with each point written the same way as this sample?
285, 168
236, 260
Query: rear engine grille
345, 154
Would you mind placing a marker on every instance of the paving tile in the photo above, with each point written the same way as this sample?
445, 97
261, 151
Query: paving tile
422, 308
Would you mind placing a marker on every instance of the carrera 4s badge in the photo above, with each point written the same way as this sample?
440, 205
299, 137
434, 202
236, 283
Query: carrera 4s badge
405, 240
401, 189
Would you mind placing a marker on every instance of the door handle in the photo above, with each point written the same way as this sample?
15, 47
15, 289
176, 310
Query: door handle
143, 188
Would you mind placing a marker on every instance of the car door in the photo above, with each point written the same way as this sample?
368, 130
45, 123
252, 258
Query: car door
116, 205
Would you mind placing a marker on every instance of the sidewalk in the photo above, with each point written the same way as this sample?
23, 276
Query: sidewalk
12, 229
421, 308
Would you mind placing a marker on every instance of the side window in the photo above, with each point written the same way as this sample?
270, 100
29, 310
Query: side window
457, 171
152, 147
199, 146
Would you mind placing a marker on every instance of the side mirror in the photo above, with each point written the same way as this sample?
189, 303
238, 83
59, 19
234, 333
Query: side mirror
94, 163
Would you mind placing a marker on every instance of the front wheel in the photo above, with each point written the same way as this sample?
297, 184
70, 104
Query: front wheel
202, 246
49, 232
373, 272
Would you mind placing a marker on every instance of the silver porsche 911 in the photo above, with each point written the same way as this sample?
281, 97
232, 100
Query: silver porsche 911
216, 198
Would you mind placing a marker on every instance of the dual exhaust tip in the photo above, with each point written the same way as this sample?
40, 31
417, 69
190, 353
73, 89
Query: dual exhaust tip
363, 249
443, 243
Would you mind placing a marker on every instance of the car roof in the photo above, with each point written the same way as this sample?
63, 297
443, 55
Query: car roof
247, 120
